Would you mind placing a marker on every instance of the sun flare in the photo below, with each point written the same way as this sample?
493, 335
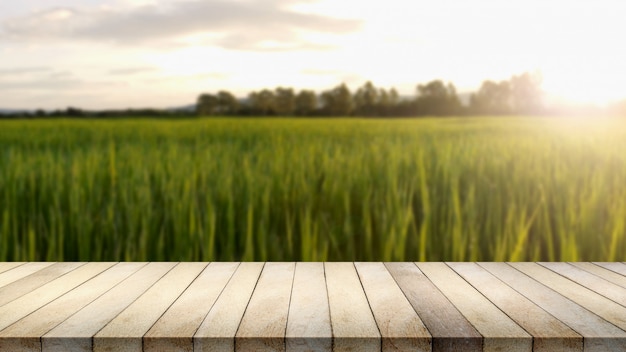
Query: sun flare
595, 88
190, 47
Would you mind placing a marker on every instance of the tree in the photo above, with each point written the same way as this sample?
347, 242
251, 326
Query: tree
394, 97
73, 112
206, 105
393, 103
436, 98
526, 95
306, 102
227, 104
388, 102
285, 101
366, 99
492, 98
263, 102
338, 101
384, 105
519, 95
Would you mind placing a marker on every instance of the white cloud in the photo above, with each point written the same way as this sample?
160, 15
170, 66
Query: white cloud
127, 71
168, 51
239, 25
57, 14
21, 71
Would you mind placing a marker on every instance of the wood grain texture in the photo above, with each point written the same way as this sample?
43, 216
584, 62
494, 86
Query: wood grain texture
400, 327
24, 335
296, 307
549, 334
35, 280
599, 335
75, 334
37, 298
597, 284
500, 333
354, 327
598, 304
449, 329
308, 324
264, 323
217, 331
125, 332
175, 329
5, 266
602, 272
619, 268
21, 271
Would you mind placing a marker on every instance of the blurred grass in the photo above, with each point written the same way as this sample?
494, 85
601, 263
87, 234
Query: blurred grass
312, 190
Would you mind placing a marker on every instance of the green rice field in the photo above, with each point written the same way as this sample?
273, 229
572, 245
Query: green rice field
454, 189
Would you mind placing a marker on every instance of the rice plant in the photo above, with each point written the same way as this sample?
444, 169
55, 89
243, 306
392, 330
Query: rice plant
453, 189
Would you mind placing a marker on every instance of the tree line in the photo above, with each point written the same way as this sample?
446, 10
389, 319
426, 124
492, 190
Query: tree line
74, 112
519, 95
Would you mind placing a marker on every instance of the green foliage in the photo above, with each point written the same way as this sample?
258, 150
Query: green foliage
367, 99
345, 189
437, 98
227, 103
492, 97
285, 101
519, 95
263, 102
306, 103
337, 101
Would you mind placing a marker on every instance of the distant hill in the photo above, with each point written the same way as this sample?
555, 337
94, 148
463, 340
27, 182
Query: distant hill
185, 108
12, 111
177, 109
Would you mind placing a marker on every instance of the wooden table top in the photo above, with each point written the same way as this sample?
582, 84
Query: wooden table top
287, 306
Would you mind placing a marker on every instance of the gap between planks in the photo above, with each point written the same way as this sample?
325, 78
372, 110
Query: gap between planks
364, 306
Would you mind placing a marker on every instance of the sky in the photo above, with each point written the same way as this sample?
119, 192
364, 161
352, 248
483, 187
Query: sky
105, 54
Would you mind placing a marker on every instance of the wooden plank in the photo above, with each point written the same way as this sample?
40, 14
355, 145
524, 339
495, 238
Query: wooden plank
75, 334
37, 279
602, 272
595, 283
308, 324
217, 331
125, 332
33, 300
600, 305
549, 334
400, 327
291, 307
354, 327
599, 335
24, 335
449, 329
21, 271
264, 323
619, 268
500, 333
175, 329
5, 266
